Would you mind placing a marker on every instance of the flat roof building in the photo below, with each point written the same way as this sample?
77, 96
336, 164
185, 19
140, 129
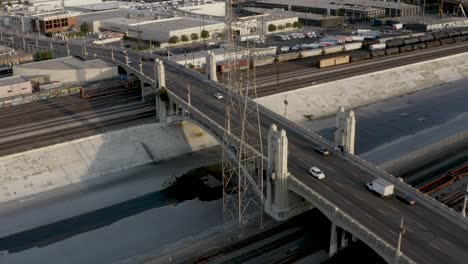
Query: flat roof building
68, 70
14, 85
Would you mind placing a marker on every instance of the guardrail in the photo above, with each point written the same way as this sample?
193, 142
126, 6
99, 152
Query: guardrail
384, 249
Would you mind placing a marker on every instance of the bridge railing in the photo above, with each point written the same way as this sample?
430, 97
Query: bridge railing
342, 219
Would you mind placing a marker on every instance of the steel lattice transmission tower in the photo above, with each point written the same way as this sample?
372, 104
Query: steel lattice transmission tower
243, 148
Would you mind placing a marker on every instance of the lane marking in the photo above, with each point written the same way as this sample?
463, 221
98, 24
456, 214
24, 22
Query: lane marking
434, 246
368, 215
417, 211
445, 241
27, 199
339, 184
393, 209
382, 212
355, 195
444, 228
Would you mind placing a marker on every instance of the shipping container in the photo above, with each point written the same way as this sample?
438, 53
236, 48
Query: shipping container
379, 46
406, 48
332, 49
447, 41
235, 65
463, 31
392, 51
384, 40
288, 56
359, 56
402, 37
326, 62
377, 53
359, 30
411, 41
261, 61
453, 33
311, 52
353, 46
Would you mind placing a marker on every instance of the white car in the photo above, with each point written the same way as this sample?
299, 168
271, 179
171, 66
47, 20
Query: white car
317, 173
218, 96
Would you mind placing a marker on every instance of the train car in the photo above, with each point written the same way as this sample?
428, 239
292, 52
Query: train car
435, 43
395, 43
446, 41
437, 184
460, 38
352, 46
359, 56
464, 31
411, 41
367, 43
440, 35
328, 62
392, 51
426, 38
453, 33
235, 65
288, 56
379, 46
262, 61
311, 53
95, 91
406, 48
333, 49
377, 53
419, 46
402, 37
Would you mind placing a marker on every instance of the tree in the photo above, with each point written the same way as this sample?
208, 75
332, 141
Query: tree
43, 55
289, 25
9, 3
280, 27
194, 36
205, 34
297, 25
174, 40
271, 28
184, 38
84, 28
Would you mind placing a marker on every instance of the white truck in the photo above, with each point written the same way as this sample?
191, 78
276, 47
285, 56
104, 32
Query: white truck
381, 187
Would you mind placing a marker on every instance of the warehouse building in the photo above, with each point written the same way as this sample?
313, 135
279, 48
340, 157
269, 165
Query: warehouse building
68, 70
14, 85
10, 57
161, 30
427, 23
357, 9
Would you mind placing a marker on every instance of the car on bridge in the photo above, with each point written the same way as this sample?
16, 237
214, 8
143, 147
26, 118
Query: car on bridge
218, 96
322, 150
317, 173
406, 198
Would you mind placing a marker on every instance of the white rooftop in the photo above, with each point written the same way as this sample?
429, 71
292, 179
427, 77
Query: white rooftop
66, 63
12, 80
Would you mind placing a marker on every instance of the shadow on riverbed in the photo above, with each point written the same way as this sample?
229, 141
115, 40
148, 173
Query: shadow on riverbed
202, 183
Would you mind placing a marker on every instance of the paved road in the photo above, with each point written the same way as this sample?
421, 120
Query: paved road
48, 122
430, 238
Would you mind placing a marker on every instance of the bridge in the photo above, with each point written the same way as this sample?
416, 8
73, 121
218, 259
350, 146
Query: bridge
433, 233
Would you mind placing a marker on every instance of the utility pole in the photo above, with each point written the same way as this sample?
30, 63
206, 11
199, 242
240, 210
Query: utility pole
188, 95
400, 235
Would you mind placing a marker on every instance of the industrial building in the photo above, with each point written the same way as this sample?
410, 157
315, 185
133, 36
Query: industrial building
307, 19
356, 9
62, 2
68, 70
160, 30
427, 23
14, 85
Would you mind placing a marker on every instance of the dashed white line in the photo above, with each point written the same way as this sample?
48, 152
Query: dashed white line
368, 215
434, 246
355, 195
444, 228
339, 184
382, 212
417, 211
445, 241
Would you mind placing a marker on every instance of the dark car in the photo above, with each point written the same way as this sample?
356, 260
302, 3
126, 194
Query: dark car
407, 199
322, 151
147, 59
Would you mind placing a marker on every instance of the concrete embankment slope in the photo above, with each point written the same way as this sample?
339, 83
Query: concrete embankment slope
58, 165
324, 99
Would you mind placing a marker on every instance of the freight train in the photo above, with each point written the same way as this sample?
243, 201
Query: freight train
375, 48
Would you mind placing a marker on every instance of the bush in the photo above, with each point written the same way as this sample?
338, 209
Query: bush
163, 95
297, 25
43, 55
184, 38
271, 28
280, 27
194, 36
173, 39
289, 25
205, 34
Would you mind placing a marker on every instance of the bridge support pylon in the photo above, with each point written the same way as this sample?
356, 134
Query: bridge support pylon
280, 203
345, 130
211, 66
